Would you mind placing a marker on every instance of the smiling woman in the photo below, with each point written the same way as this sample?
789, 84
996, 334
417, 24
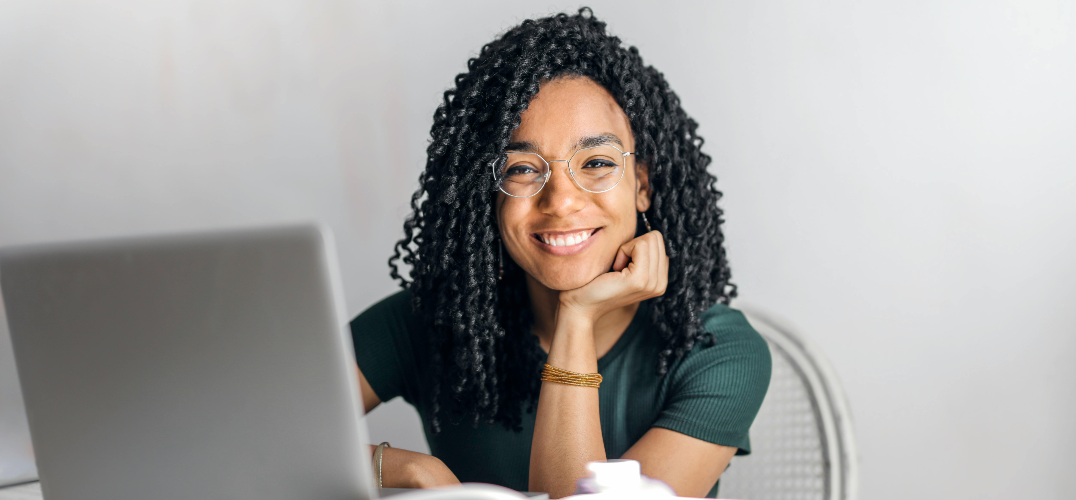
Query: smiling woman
568, 288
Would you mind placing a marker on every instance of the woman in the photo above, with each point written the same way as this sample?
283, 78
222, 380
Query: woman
565, 226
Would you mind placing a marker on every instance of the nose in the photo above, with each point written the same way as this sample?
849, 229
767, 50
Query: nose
560, 197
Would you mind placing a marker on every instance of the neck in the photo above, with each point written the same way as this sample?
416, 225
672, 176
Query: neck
544, 304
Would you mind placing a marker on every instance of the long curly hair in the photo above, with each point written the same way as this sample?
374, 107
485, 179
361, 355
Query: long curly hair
485, 361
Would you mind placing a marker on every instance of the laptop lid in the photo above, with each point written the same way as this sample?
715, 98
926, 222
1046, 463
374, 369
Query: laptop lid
16, 454
212, 365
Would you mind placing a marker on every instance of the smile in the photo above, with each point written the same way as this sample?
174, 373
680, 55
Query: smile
565, 242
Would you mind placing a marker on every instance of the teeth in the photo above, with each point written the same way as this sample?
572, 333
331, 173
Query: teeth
565, 240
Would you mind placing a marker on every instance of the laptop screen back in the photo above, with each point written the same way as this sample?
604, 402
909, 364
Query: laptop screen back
197, 366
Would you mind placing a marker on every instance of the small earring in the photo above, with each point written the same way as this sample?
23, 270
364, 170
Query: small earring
500, 260
646, 222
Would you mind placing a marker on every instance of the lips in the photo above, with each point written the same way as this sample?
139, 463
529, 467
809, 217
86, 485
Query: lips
565, 242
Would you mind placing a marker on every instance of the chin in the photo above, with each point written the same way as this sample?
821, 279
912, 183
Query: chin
568, 280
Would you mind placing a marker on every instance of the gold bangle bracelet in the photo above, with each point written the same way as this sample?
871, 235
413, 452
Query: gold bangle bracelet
553, 374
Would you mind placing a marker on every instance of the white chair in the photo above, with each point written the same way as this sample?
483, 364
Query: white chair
802, 445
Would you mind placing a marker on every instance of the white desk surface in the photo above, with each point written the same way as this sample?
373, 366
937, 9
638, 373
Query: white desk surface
32, 491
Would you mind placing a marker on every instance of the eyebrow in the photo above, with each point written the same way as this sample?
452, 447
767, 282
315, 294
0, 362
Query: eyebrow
523, 146
584, 142
598, 140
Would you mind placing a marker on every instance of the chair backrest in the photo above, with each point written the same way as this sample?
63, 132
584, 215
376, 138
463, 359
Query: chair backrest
802, 445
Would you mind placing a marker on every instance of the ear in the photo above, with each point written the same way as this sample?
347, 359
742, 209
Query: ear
642, 183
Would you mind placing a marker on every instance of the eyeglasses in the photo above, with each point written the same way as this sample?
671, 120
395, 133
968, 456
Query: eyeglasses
595, 170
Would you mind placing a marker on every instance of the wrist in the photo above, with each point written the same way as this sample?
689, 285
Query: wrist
573, 327
574, 317
408, 469
427, 471
572, 346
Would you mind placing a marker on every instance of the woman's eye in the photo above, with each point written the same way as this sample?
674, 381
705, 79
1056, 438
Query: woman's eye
599, 163
520, 170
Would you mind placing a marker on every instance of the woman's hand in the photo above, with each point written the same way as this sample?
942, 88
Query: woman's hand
408, 469
640, 272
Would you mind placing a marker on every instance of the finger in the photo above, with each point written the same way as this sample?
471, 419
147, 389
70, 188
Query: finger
657, 244
663, 275
655, 262
621, 260
639, 267
661, 242
663, 259
624, 255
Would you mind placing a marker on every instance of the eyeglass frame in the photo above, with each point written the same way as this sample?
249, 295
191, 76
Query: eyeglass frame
545, 178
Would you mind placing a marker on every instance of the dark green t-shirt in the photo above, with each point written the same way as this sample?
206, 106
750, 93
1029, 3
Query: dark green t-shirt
713, 393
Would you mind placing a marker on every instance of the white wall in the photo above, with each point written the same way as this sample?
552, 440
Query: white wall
899, 177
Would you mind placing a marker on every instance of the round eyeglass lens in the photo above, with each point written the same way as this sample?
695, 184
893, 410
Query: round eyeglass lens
523, 174
598, 169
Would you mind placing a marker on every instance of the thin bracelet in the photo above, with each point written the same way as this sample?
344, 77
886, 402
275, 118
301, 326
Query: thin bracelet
377, 460
553, 374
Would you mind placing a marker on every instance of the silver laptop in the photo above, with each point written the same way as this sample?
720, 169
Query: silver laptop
199, 366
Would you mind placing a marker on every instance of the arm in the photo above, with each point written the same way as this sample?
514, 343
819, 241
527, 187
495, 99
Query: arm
567, 429
401, 468
713, 398
691, 466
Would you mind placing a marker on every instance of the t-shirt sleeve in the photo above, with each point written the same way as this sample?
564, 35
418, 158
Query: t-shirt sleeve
716, 390
384, 348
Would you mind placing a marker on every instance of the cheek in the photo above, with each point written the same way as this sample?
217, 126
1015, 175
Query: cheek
511, 218
623, 217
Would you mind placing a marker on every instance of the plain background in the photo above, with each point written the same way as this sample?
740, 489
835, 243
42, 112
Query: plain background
899, 178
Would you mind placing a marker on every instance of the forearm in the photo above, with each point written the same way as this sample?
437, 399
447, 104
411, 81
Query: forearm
567, 430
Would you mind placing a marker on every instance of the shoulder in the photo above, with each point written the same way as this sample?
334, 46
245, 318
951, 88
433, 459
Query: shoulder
738, 356
716, 389
385, 349
731, 330
389, 324
390, 315
396, 304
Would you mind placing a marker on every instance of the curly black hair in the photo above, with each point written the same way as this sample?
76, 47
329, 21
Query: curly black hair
484, 359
